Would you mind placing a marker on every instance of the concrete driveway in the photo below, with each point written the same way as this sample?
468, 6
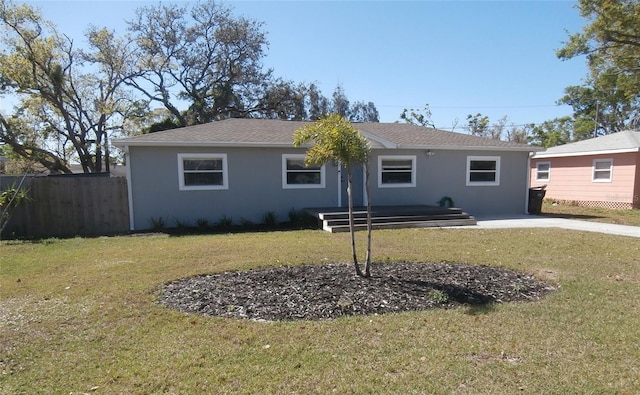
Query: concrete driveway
533, 221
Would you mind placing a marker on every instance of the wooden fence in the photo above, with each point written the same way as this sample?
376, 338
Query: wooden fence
74, 205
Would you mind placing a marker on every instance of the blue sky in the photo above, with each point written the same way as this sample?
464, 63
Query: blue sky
496, 58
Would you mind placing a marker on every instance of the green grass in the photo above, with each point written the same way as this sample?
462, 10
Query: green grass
80, 315
622, 217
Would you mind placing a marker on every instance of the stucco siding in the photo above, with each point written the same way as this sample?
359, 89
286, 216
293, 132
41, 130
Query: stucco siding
444, 173
571, 178
254, 187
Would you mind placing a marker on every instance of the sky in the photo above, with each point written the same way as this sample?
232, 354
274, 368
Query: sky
496, 58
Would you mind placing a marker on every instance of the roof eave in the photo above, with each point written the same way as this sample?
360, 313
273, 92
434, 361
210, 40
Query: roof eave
123, 144
542, 155
470, 148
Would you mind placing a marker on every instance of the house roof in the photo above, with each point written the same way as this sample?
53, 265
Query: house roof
242, 132
625, 141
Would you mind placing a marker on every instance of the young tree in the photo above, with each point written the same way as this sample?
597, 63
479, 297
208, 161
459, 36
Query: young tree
71, 101
334, 138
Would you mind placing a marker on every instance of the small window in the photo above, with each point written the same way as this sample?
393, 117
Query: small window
602, 170
483, 170
543, 171
396, 171
202, 171
295, 174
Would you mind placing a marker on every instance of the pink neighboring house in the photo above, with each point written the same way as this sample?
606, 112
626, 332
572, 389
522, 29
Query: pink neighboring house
599, 172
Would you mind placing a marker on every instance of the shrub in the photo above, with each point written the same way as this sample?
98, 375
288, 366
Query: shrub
157, 224
270, 219
202, 223
225, 222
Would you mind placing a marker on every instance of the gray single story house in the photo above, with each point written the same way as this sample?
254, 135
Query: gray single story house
244, 168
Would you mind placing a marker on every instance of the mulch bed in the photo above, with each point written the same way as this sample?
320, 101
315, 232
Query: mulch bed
314, 292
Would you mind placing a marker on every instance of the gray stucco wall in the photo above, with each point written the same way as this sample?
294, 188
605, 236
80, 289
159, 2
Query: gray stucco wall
255, 185
444, 174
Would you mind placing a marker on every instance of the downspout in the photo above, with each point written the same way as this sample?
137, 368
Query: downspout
127, 158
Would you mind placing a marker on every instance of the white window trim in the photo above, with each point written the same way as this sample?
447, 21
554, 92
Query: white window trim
547, 171
593, 170
286, 185
483, 183
397, 157
225, 178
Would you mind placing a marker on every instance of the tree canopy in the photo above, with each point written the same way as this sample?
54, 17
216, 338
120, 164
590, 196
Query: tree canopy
70, 100
177, 65
609, 101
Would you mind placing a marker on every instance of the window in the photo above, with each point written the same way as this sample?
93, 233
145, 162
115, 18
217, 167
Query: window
202, 171
483, 170
296, 175
602, 170
396, 171
543, 170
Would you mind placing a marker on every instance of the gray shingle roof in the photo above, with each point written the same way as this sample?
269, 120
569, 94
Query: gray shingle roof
276, 133
625, 141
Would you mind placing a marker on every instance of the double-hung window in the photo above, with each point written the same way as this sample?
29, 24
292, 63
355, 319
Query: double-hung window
483, 170
602, 170
202, 171
543, 171
295, 174
396, 171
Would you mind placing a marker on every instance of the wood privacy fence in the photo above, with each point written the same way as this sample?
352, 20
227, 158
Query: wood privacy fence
69, 205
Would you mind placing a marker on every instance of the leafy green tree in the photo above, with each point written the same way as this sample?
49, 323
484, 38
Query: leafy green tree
318, 104
551, 133
478, 125
601, 108
610, 99
363, 112
70, 101
334, 138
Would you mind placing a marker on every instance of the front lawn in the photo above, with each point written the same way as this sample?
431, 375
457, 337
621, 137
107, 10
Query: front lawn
81, 316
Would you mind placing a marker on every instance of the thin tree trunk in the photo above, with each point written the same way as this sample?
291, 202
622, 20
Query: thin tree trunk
367, 266
351, 224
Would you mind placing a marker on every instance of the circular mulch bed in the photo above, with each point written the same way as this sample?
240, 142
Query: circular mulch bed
312, 292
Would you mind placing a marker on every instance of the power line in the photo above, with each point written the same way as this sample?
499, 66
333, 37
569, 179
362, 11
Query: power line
469, 107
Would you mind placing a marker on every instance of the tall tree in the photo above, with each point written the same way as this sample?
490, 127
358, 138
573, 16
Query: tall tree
610, 99
318, 104
334, 138
71, 101
478, 125
363, 112
202, 55
551, 133
340, 102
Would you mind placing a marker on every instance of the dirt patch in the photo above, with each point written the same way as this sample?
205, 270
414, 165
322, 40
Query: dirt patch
313, 292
